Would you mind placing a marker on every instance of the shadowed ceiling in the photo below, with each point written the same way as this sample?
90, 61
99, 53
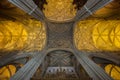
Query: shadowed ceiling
9, 11
21, 32
60, 10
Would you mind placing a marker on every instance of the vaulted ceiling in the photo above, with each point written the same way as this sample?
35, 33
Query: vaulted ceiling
60, 11
99, 32
9, 11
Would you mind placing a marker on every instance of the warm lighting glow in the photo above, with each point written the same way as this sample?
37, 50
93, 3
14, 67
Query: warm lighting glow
59, 10
83, 35
106, 35
18, 36
114, 71
112, 9
100, 35
6, 72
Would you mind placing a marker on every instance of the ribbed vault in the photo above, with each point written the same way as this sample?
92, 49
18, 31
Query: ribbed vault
58, 25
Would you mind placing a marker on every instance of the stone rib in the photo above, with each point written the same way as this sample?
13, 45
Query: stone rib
93, 70
90, 7
30, 7
27, 71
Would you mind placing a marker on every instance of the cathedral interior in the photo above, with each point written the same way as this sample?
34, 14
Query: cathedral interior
59, 39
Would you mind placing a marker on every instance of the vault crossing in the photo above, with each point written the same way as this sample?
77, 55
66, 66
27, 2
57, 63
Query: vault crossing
60, 37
